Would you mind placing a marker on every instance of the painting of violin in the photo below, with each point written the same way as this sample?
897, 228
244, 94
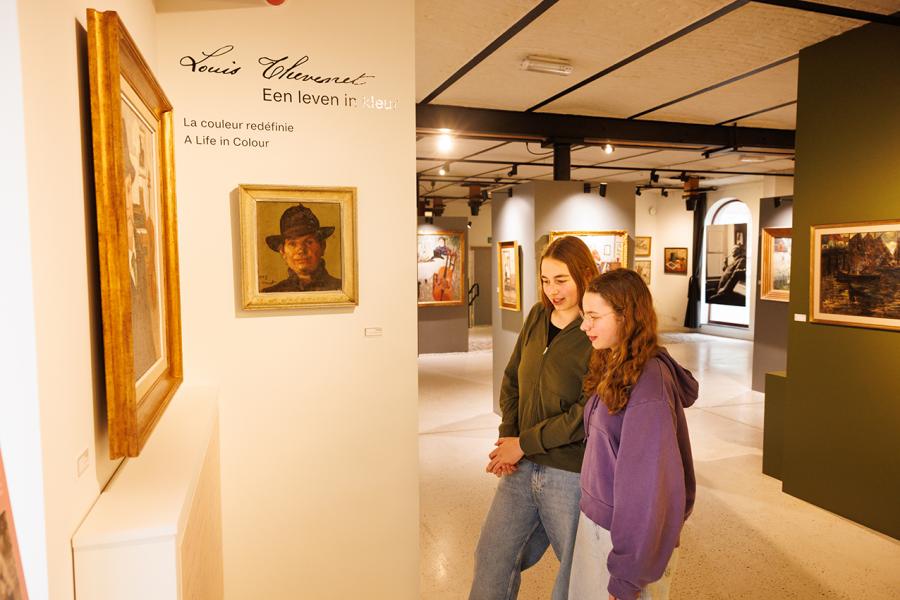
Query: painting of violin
440, 259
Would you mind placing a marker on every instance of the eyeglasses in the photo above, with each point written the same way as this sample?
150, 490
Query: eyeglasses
591, 320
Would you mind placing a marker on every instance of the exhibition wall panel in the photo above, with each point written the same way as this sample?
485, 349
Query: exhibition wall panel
841, 412
64, 270
318, 420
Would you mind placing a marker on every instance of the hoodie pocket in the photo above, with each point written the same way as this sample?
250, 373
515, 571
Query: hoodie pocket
599, 467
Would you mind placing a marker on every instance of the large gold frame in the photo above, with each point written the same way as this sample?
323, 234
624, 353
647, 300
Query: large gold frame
767, 291
517, 305
252, 298
112, 57
618, 233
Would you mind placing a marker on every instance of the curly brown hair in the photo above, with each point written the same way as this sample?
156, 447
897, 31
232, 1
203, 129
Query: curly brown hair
613, 371
577, 257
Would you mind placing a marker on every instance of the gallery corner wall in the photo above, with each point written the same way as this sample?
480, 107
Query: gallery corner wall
318, 420
842, 413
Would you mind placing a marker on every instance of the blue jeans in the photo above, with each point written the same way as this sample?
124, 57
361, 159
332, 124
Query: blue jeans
534, 507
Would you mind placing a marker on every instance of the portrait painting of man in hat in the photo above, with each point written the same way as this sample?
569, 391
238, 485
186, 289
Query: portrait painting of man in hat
302, 243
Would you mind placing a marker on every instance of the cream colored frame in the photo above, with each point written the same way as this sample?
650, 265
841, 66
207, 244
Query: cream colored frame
518, 303
815, 237
768, 247
252, 298
112, 56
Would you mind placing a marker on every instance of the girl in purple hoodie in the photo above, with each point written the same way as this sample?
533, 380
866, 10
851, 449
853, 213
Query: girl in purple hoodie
637, 480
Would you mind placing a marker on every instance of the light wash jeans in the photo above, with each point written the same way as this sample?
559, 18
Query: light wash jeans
534, 507
589, 575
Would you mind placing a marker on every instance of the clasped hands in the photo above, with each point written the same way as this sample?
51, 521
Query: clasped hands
505, 456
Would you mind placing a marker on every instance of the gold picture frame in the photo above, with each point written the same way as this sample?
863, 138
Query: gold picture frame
855, 274
276, 220
440, 268
509, 289
642, 244
642, 268
775, 274
604, 245
134, 177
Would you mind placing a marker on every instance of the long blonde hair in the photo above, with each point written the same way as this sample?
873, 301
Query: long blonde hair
613, 371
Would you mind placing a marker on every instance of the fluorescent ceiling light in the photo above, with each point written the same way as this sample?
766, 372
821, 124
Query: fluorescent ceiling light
546, 64
752, 158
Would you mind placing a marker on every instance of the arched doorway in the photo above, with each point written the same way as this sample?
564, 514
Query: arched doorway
726, 291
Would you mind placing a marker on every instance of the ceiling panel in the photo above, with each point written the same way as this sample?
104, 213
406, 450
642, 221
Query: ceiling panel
780, 118
659, 158
780, 165
748, 38
449, 34
592, 155
770, 88
519, 152
592, 34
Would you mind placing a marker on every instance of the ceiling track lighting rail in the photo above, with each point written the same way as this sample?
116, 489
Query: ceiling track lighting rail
543, 126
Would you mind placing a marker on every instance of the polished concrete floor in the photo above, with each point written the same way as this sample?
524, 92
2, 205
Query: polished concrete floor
746, 539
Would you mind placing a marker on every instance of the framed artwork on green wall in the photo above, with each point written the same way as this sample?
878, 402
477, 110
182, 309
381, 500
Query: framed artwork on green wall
775, 278
855, 279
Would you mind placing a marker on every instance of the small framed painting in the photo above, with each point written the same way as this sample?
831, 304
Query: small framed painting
642, 245
441, 268
643, 269
134, 175
12, 578
508, 273
675, 260
855, 275
775, 274
609, 248
298, 246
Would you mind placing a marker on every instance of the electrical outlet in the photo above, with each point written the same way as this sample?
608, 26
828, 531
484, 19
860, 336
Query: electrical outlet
84, 461
374, 332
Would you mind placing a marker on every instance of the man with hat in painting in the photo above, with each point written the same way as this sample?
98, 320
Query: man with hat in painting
302, 246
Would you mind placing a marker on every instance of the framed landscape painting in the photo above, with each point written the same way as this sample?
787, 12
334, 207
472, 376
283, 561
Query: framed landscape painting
440, 261
508, 273
855, 277
134, 178
675, 260
775, 274
298, 247
609, 248
642, 245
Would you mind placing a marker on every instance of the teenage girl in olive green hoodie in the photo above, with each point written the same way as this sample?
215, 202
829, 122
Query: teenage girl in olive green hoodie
540, 447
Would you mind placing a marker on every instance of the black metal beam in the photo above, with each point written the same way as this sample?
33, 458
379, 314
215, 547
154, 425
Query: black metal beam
715, 86
640, 54
599, 167
507, 35
521, 126
562, 162
758, 112
836, 11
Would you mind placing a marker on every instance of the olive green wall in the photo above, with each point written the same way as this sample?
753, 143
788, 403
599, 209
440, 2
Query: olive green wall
842, 415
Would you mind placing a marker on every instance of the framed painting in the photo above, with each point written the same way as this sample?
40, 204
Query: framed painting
441, 265
12, 578
609, 248
775, 283
675, 260
298, 247
726, 264
642, 267
855, 277
642, 245
134, 178
508, 272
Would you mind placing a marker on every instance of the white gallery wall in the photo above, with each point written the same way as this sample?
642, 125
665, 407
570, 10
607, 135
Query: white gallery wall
64, 283
318, 422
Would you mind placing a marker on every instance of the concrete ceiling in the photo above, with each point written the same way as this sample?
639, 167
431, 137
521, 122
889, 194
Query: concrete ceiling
738, 65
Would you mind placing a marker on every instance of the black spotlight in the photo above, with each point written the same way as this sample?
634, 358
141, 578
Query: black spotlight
637, 191
654, 177
602, 189
690, 203
587, 188
475, 205
777, 202
664, 192
513, 171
